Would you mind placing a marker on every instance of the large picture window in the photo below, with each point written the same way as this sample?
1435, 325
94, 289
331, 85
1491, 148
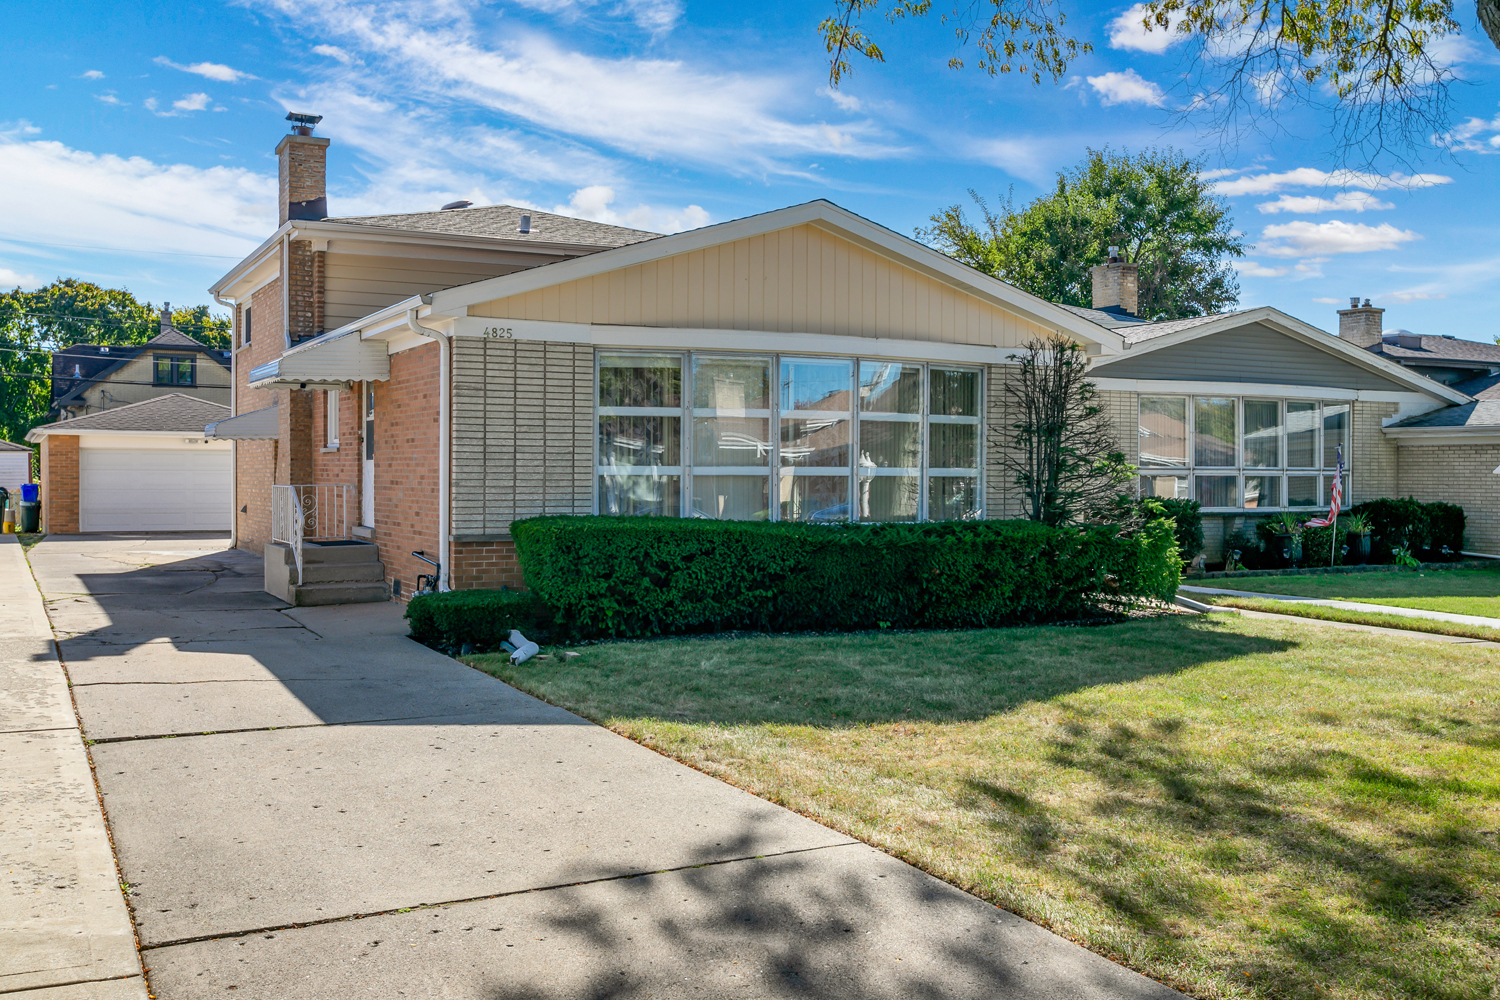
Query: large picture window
787, 438
1246, 453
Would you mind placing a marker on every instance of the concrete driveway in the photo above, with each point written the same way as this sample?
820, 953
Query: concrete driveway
305, 803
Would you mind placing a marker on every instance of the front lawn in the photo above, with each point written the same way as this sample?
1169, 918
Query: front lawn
1457, 591
1378, 619
1241, 808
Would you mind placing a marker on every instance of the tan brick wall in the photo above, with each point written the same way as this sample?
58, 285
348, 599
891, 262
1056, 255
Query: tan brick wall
255, 464
294, 457
304, 298
486, 565
406, 464
341, 465
1373, 460
1461, 474
60, 484
302, 169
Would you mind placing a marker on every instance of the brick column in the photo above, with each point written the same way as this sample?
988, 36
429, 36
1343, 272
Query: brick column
294, 459
60, 484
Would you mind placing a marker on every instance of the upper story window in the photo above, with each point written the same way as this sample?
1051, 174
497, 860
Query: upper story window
1242, 453
245, 329
174, 370
787, 438
331, 418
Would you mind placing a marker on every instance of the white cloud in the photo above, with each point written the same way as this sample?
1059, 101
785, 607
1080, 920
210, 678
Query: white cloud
1023, 158
108, 97
1475, 136
846, 101
1344, 201
14, 279
150, 104
213, 71
1251, 269
1299, 239
1209, 175
1330, 302
1128, 87
1414, 296
1312, 177
333, 52
1310, 268
593, 202
652, 15
1128, 31
93, 74
192, 102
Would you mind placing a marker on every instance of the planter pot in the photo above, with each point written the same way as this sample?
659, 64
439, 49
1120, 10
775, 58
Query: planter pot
1359, 548
1285, 550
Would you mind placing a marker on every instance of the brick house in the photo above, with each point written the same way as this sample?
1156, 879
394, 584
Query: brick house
800, 364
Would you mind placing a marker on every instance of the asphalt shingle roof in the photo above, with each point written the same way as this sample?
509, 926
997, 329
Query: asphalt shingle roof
1483, 387
1108, 320
1480, 413
12, 446
502, 222
1150, 331
174, 412
174, 338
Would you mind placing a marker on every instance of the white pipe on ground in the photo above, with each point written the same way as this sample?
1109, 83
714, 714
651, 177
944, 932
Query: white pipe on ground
444, 549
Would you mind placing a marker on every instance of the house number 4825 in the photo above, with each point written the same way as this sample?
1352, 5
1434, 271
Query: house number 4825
499, 333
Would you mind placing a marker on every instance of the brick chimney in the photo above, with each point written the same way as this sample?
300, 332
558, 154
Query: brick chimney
166, 317
1115, 284
1361, 324
303, 160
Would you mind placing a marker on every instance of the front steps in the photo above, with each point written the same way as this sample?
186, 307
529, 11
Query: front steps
332, 573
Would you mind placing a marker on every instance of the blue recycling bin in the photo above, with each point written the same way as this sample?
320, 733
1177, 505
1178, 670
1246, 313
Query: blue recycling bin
30, 492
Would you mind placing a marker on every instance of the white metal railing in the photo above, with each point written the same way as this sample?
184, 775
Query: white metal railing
317, 512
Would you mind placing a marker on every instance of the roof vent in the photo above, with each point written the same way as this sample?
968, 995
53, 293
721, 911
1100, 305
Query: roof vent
455, 204
78, 371
525, 226
104, 349
1449, 336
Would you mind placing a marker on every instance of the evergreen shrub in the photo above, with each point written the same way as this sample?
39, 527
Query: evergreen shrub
480, 618
1425, 529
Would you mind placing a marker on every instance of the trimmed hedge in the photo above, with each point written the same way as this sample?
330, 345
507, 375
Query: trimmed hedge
641, 576
480, 618
1424, 528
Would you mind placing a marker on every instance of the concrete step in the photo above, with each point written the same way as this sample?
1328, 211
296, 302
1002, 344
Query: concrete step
316, 594
361, 552
363, 572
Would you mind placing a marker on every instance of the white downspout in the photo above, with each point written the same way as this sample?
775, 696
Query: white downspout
234, 446
444, 424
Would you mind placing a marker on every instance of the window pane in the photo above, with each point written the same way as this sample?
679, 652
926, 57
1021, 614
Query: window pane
1262, 491
1215, 432
814, 498
640, 441
1301, 491
954, 393
1163, 421
732, 498
1173, 487
952, 499
1328, 482
731, 383
815, 385
890, 387
1217, 491
163, 374
656, 495
1335, 433
954, 446
891, 444
640, 381
1262, 434
731, 441
185, 371
888, 498
815, 442
1302, 435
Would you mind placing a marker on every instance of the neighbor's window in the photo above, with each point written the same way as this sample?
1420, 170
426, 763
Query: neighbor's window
787, 438
331, 417
173, 370
1246, 454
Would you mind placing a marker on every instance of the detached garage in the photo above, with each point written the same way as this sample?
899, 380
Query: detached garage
142, 467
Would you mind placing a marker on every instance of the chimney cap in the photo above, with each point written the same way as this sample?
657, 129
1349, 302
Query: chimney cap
1354, 302
302, 124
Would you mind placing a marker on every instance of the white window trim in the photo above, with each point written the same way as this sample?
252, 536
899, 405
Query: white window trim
331, 419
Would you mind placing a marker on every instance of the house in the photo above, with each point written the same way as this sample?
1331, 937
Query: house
1445, 358
802, 364
15, 467
144, 466
92, 378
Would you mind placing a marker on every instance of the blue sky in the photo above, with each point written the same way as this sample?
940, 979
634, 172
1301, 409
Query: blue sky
150, 127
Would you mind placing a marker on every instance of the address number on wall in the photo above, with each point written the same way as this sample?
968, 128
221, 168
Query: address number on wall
500, 333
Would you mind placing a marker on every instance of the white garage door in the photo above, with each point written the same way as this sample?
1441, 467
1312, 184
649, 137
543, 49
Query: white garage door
147, 489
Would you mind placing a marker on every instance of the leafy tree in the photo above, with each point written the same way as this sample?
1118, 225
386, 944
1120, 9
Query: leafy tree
1155, 206
1065, 456
68, 311
1373, 66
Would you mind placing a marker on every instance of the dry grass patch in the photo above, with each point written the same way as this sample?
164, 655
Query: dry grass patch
1242, 808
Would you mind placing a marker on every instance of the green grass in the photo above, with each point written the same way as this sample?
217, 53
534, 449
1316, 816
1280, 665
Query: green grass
1458, 591
1239, 807
28, 539
1327, 614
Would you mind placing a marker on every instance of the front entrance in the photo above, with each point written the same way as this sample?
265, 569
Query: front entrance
367, 461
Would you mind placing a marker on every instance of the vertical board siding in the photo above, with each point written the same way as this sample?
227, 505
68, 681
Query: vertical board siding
797, 280
523, 416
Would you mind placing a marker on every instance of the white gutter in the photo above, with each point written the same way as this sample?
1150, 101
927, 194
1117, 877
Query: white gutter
444, 434
234, 448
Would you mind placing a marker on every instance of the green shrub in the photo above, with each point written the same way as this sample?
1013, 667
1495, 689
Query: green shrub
1187, 516
481, 618
639, 576
1423, 529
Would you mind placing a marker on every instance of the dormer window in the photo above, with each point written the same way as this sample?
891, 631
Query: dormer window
173, 370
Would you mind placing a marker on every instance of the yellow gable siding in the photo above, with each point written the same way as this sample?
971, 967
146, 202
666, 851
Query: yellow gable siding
797, 280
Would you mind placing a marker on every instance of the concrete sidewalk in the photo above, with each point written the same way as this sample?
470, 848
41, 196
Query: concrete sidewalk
309, 805
1383, 609
65, 933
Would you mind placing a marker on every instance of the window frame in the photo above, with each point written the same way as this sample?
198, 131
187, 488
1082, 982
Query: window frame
173, 361
331, 415
774, 471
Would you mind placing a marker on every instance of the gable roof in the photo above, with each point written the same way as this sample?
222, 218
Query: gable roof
173, 337
504, 221
1438, 350
175, 413
12, 446
1110, 319
1483, 387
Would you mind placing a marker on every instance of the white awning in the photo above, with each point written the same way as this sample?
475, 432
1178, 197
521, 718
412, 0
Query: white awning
257, 425
325, 362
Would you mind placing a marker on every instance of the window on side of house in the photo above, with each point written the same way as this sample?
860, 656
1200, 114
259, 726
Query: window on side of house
755, 437
331, 418
1240, 452
173, 370
245, 329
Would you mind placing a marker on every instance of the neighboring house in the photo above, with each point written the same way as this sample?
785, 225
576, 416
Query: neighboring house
1446, 358
139, 467
15, 467
92, 378
802, 364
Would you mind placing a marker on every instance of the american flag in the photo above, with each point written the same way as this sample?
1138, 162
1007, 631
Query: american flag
1338, 494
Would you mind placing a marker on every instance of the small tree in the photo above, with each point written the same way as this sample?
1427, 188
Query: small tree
1066, 457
